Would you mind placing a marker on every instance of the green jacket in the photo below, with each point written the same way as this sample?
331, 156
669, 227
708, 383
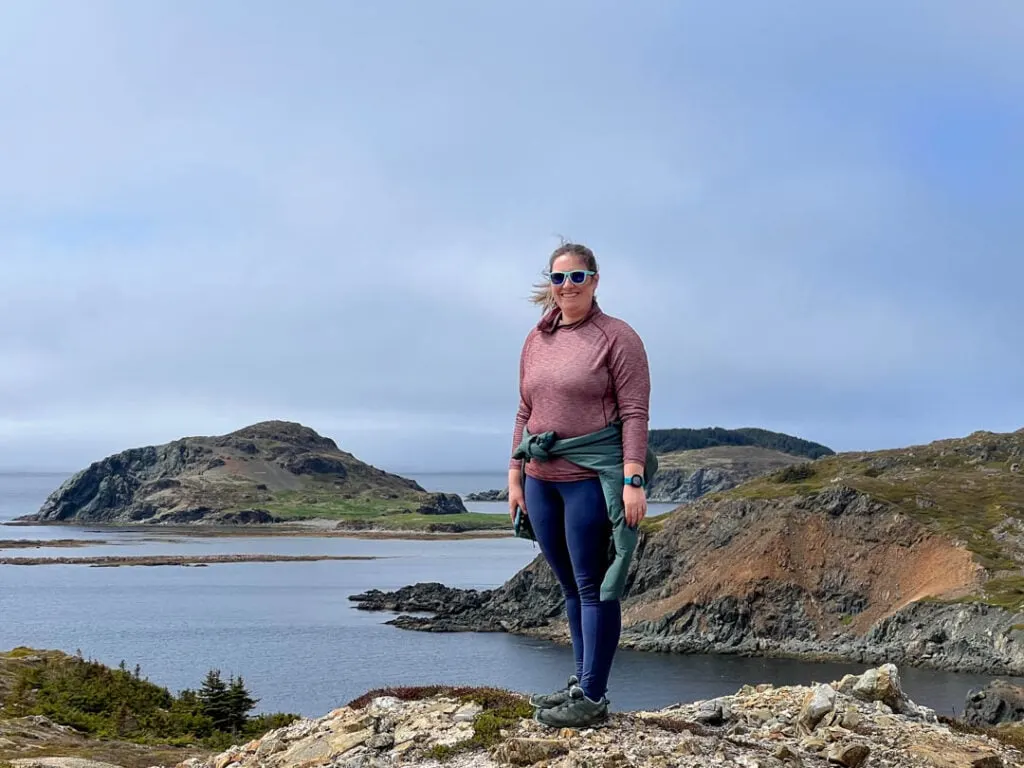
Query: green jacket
600, 451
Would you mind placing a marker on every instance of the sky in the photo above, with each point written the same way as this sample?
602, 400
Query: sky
213, 214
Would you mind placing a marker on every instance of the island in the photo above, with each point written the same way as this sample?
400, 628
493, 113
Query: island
275, 475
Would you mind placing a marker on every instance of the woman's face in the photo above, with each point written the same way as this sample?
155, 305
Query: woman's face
573, 298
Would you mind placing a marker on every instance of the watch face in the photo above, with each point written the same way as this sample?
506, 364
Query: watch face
637, 481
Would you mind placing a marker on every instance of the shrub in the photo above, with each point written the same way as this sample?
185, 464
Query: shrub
116, 703
794, 473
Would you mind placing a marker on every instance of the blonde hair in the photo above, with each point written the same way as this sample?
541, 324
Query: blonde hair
542, 291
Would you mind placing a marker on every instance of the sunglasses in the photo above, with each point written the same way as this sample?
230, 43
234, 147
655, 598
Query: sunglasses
578, 276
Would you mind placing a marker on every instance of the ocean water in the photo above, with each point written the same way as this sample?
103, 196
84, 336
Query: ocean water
302, 646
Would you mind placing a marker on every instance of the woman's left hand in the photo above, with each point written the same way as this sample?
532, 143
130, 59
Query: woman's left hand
635, 501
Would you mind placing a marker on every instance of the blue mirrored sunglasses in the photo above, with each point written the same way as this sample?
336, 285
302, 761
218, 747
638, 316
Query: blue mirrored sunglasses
578, 276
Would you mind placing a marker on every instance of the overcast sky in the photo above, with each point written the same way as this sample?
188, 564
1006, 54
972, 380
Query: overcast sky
213, 214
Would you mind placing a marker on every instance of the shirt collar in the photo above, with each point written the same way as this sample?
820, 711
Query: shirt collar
552, 319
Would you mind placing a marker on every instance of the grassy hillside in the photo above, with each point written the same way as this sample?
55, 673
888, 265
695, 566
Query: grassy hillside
969, 489
669, 440
384, 514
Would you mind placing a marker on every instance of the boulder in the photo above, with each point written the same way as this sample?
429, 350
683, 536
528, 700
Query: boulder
998, 702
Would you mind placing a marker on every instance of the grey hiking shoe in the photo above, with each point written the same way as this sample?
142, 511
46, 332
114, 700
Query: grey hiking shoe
551, 700
576, 712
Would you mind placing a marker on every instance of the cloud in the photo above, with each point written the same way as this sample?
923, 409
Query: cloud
211, 215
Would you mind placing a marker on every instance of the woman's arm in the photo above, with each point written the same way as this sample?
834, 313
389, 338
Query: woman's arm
627, 362
630, 373
523, 411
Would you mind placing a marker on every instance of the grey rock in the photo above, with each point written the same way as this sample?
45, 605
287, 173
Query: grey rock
493, 495
819, 703
998, 702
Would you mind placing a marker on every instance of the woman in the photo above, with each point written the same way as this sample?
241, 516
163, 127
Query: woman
581, 371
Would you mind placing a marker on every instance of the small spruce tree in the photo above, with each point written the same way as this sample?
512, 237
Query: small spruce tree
215, 702
240, 703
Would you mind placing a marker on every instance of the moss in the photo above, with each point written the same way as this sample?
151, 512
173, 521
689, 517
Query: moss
846, 620
651, 525
1006, 592
487, 728
19, 653
501, 709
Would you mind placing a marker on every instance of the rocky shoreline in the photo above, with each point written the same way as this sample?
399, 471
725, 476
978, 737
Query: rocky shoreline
113, 561
857, 722
311, 528
37, 543
958, 637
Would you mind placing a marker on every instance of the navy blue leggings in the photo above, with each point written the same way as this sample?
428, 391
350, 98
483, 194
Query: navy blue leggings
571, 524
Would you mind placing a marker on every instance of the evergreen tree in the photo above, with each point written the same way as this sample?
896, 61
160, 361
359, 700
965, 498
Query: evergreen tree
214, 698
240, 703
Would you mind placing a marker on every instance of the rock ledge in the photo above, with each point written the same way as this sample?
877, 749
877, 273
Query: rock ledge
858, 721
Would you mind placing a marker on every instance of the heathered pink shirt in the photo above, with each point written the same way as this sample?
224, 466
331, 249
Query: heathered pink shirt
578, 378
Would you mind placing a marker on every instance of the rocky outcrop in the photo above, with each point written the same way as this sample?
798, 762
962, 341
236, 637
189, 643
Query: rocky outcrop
493, 495
233, 479
680, 485
998, 702
848, 558
855, 722
686, 476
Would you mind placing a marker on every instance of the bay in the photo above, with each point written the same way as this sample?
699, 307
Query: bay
302, 646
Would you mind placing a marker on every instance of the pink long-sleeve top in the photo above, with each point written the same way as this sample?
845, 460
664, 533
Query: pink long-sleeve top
578, 378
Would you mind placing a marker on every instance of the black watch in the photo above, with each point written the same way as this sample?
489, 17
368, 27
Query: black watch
637, 481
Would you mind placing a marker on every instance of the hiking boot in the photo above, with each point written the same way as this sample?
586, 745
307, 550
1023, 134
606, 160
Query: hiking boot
575, 712
551, 700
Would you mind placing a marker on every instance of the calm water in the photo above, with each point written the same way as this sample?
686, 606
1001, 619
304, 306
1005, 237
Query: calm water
301, 646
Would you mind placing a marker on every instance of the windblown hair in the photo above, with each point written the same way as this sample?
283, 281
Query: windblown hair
542, 291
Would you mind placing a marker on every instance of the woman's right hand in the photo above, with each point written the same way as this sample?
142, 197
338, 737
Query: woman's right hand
516, 497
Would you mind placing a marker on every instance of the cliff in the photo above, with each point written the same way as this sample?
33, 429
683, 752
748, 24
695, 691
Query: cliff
686, 475
910, 555
267, 472
858, 721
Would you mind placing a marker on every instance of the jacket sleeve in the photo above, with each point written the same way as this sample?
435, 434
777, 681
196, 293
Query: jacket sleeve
523, 412
627, 362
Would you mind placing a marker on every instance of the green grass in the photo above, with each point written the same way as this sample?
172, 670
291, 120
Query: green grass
654, 524
20, 652
462, 522
385, 514
297, 505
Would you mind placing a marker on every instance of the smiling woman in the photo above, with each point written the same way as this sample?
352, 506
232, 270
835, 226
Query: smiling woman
583, 374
